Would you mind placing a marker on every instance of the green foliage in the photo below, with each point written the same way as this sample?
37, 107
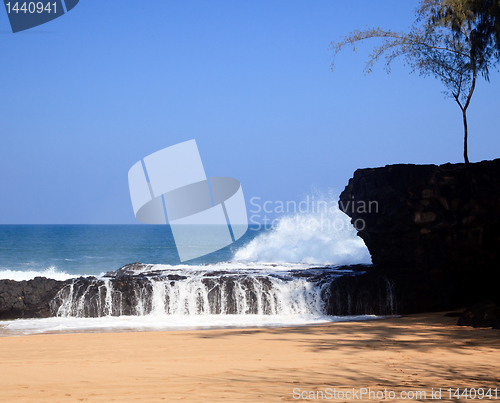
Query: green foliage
482, 18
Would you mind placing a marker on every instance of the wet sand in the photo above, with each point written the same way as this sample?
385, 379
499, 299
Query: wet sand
410, 353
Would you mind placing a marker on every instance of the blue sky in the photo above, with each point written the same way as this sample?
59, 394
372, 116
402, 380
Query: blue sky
84, 97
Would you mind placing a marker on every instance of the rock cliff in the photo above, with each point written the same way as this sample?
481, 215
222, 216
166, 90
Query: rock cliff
427, 216
434, 230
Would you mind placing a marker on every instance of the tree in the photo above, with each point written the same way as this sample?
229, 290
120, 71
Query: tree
486, 14
450, 40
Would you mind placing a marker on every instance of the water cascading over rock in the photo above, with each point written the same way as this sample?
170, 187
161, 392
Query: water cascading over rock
191, 294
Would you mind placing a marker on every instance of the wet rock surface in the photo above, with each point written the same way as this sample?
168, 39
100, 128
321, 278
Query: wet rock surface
345, 290
27, 299
130, 291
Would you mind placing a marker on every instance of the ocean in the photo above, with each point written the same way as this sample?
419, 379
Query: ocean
258, 265
65, 251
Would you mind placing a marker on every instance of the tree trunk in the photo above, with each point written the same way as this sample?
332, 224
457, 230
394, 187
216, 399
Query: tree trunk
464, 113
466, 157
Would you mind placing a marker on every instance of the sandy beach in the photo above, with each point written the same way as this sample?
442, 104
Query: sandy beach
405, 354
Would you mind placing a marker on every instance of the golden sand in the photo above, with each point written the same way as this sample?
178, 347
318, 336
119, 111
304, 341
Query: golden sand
411, 353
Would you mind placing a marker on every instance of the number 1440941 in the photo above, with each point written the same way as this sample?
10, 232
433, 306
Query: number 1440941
31, 7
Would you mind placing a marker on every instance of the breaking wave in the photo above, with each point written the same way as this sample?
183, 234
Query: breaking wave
323, 235
51, 272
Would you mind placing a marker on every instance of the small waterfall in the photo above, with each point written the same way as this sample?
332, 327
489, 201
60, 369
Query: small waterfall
195, 294
313, 291
87, 297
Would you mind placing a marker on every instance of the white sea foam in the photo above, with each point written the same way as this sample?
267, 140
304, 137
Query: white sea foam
163, 322
233, 266
323, 235
51, 272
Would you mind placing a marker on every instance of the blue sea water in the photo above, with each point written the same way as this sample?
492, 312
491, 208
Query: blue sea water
60, 251
96, 249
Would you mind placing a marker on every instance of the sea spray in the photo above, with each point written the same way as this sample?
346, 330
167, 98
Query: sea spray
321, 235
51, 272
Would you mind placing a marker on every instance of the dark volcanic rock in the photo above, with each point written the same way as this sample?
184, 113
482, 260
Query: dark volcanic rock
432, 227
131, 269
389, 291
363, 294
428, 216
28, 299
482, 314
347, 290
176, 277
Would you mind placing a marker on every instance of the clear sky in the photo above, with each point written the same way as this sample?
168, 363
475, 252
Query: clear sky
84, 97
